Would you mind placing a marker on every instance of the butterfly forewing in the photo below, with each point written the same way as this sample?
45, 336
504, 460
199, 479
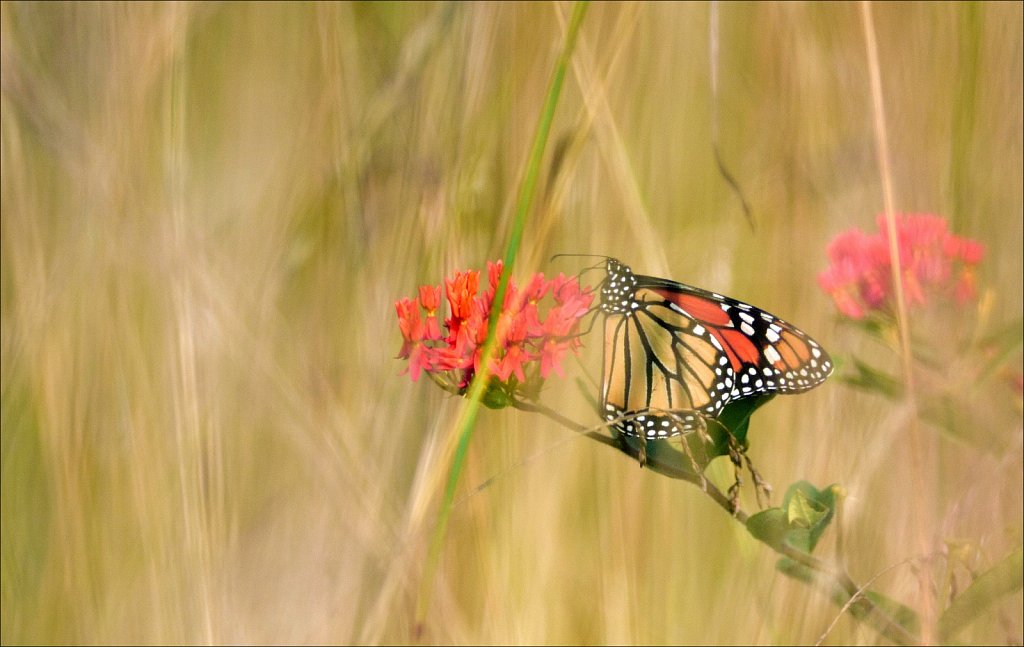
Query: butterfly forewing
675, 354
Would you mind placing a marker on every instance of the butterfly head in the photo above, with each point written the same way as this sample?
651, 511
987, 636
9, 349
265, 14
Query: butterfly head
618, 289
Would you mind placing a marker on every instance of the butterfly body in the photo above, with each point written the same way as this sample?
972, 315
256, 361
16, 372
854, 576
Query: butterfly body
676, 355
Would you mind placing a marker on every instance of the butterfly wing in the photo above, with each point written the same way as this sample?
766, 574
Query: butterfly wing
663, 372
678, 354
765, 353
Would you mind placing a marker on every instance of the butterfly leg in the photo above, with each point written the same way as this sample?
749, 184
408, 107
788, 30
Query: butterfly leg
761, 487
736, 456
703, 434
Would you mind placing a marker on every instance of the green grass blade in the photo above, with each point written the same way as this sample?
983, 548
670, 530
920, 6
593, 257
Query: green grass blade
472, 406
1002, 579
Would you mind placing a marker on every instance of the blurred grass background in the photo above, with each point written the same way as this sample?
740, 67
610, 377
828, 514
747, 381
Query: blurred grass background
208, 211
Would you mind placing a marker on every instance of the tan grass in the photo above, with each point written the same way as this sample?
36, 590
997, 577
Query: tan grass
208, 211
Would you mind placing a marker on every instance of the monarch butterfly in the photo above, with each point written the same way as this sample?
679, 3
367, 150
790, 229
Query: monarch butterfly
675, 354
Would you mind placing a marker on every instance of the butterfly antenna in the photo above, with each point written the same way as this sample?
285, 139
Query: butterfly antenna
595, 266
578, 256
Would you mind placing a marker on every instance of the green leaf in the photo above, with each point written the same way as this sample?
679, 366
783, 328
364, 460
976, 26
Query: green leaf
496, 396
809, 512
1002, 579
769, 526
664, 457
1008, 338
878, 324
799, 522
802, 512
670, 458
899, 612
871, 379
735, 416
1003, 345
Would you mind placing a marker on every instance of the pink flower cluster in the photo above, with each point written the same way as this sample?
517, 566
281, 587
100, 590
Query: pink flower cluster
524, 336
932, 261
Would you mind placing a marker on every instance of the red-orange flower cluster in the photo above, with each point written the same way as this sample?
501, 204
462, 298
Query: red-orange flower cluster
932, 259
524, 336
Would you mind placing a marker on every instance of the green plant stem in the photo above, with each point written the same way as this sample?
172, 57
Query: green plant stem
477, 388
832, 579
